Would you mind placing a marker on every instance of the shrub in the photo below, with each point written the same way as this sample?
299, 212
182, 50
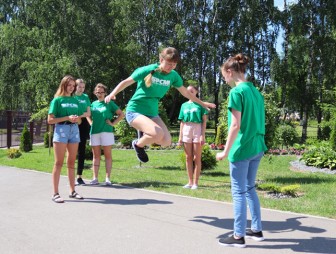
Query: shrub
269, 187
46, 139
333, 134
320, 157
272, 113
13, 153
26, 143
208, 159
222, 127
126, 141
221, 134
326, 128
286, 135
290, 190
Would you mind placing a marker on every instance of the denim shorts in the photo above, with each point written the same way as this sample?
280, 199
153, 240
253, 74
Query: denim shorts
130, 116
66, 133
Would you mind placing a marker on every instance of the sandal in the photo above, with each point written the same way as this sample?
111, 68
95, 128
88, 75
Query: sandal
57, 198
75, 195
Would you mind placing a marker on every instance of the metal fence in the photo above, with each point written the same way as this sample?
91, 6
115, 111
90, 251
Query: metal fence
11, 126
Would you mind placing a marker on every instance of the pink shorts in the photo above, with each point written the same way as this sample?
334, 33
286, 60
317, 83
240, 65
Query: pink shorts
191, 132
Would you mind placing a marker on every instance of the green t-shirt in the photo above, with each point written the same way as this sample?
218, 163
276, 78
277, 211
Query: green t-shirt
192, 112
100, 112
84, 102
146, 99
250, 140
64, 106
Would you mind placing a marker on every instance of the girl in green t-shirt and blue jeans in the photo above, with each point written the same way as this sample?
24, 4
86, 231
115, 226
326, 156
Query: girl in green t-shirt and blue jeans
142, 112
244, 148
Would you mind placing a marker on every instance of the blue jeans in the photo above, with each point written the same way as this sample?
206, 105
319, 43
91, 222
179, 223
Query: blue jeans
243, 175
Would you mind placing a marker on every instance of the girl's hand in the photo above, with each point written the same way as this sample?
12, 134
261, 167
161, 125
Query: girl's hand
221, 156
73, 118
202, 140
209, 105
108, 121
110, 97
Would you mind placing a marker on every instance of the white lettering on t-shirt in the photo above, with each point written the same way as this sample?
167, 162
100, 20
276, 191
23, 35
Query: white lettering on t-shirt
69, 105
161, 82
100, 109
186, 111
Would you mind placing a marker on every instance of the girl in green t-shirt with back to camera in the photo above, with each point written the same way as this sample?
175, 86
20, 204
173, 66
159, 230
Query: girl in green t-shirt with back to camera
142, 112
244, 148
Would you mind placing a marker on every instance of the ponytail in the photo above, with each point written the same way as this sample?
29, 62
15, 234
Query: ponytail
148, 78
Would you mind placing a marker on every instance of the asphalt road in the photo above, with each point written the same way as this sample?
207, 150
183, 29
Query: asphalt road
120, 219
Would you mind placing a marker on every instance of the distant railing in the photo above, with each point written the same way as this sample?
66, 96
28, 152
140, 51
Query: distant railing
11, 126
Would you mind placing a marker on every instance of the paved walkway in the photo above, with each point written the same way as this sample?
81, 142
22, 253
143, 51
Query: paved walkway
125, 220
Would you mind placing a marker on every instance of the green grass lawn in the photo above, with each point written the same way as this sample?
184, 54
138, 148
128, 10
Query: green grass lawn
163, 173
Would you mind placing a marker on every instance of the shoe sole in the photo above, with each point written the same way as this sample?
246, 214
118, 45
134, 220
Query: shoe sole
257, 239
233, 245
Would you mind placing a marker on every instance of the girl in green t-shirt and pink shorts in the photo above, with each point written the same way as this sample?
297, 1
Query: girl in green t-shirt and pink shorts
192, 134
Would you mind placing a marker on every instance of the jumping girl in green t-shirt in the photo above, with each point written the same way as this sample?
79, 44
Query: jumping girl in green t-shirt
142, 112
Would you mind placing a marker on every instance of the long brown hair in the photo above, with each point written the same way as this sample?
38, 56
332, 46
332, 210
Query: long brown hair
63, 85
170, 54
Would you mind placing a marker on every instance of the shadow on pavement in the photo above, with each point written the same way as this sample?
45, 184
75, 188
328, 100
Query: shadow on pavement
110, 201
314, 244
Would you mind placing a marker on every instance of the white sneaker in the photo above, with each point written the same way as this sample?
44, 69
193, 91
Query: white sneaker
108, 182
194, 187
187, 186
94, 182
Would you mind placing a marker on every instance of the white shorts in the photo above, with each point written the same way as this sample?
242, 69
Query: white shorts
102, 139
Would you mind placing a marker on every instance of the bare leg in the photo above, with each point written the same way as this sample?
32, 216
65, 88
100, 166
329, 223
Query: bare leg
188, 149
197, 148
59, 153
155, 131
96, 150
72, 153
108, 160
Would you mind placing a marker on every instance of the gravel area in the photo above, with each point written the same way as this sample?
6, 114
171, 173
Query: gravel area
298, 165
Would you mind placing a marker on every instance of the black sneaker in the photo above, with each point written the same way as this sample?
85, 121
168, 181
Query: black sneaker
80, 181
140, 152
232, 242
256, 236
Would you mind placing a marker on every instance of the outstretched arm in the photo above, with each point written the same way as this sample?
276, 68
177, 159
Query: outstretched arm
184, 91
121, 86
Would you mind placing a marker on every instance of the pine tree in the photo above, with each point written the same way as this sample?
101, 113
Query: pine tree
26, 144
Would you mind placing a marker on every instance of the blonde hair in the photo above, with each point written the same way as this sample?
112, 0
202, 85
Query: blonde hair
170, 54
79, 81
236, 63
63, 85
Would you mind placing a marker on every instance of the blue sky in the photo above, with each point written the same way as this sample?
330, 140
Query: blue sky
280, 4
